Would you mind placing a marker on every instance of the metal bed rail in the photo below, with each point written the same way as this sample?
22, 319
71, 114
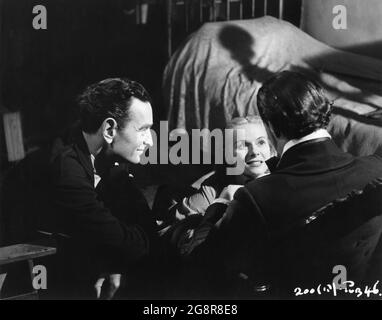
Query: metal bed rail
216, 10
191, 14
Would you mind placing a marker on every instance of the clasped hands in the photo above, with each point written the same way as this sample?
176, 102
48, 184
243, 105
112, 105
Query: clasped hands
108, 284
229, 191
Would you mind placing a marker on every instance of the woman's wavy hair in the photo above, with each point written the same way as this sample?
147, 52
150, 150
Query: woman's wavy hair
109, 98
294, 104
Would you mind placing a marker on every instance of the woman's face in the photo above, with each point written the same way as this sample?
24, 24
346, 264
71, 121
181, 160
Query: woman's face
254, 149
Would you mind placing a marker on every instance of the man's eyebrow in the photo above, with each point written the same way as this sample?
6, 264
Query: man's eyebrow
145, 126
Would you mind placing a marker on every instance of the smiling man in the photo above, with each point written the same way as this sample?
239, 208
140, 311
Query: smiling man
95, 200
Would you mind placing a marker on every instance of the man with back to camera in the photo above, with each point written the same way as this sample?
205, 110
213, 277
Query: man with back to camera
94, 197
312, 171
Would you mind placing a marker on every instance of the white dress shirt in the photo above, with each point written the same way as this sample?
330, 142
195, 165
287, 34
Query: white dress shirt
320, 133
97, 178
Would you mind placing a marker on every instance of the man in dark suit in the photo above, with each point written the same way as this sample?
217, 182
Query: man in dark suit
95, 200
311, 173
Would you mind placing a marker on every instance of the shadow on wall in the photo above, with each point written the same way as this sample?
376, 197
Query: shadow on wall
373, 49
240, 43
361, 78
86, 41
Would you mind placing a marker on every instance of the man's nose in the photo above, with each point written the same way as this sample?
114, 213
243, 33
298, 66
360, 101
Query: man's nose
149, 139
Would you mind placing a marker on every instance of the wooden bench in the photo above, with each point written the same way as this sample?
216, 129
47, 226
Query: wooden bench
18, 253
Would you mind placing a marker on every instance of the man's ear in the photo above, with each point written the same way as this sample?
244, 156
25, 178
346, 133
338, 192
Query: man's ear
109, 129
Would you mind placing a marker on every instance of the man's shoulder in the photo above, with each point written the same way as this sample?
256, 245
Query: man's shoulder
62, 152
280, 183
265, 187
66, 147
65, 161
274, 180
375, 161
367, 167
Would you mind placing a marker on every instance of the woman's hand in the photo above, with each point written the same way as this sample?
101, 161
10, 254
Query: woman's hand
229, 191
107, 285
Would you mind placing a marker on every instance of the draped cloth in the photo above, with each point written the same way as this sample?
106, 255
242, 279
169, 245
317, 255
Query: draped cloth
216, 73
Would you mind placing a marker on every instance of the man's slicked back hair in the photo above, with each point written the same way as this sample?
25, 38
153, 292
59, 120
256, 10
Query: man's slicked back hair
294, 104
109, 98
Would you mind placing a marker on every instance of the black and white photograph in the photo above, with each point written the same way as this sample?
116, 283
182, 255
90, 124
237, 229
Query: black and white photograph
190, 155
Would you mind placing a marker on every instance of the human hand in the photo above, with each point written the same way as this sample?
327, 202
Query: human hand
229, 191
107, 285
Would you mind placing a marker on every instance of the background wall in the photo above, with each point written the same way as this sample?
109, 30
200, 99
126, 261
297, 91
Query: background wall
364, 25
86, 41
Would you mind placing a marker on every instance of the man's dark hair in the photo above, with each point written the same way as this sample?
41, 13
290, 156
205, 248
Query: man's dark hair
294, 104
109, 98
